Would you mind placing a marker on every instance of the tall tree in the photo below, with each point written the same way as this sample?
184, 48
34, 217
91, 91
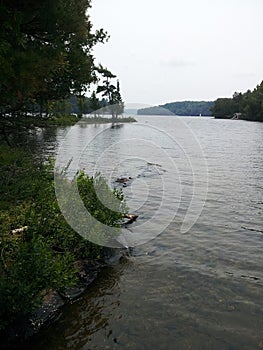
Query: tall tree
112, 92
45, 51
116, 104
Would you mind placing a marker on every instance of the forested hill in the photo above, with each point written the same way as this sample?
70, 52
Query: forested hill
155, 110
185, 108
248, 105
190, 107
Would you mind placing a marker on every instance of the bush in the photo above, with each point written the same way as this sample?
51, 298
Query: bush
42, 256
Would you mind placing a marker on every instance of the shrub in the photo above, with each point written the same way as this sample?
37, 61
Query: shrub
42, 256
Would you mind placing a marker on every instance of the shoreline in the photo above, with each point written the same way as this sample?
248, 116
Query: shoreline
45, 264
25, 329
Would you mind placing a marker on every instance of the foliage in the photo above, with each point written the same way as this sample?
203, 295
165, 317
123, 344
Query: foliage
225, 108
248, 105
46, 63
190, 108
94, 103
112, 92
45, 52
89, 189
91, 104
105, 120
185, 108
45, 57
42, 256
31, 268
60, 120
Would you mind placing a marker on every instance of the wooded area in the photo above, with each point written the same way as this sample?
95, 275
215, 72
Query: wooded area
184, 108
248, 105
46, 67
46, 56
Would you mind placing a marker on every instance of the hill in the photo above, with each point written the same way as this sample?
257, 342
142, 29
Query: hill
156, 110
185, 108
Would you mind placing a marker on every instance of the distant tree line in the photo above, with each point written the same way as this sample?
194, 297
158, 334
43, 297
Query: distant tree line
185, 108
155, 110
87, 106
76, 105
191, 108
248, 105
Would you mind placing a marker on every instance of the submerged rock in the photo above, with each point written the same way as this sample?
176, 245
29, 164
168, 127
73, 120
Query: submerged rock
123, 179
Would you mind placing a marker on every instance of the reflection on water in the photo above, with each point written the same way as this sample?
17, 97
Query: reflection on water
200, 290
87, 316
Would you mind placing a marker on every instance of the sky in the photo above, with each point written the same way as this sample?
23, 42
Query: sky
175, 50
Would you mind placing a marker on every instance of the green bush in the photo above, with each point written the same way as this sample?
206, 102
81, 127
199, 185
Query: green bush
32, 267
42, 256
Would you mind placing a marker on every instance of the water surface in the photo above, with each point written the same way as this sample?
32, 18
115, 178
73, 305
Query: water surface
200, 289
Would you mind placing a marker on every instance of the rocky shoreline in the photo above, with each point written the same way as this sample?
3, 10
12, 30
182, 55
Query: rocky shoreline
53, 302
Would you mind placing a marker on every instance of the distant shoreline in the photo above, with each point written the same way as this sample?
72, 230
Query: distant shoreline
185, 108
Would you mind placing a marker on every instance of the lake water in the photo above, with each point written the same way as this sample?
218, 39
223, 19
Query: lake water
194, 279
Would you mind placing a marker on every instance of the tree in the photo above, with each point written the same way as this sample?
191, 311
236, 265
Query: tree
112, 92
45, 52
116, 103
94, 103
224, 108
82, 105
249, 105
107, 88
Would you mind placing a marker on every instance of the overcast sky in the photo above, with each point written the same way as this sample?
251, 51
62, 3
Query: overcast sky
175, 50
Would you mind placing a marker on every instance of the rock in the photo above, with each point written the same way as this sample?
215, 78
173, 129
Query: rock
25, 327
46, 313
73, 293
49, 311
122, 180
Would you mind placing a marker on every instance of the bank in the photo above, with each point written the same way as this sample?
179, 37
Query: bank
44, 264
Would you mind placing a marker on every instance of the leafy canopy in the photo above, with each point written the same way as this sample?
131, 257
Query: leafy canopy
45, 51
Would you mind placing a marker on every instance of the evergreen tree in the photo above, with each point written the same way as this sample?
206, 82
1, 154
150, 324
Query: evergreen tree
112, 92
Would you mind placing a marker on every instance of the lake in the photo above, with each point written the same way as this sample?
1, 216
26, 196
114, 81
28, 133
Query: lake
194, 277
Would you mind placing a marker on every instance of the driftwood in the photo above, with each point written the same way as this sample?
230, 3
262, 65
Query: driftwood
19, 230
12, 232
131, 218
